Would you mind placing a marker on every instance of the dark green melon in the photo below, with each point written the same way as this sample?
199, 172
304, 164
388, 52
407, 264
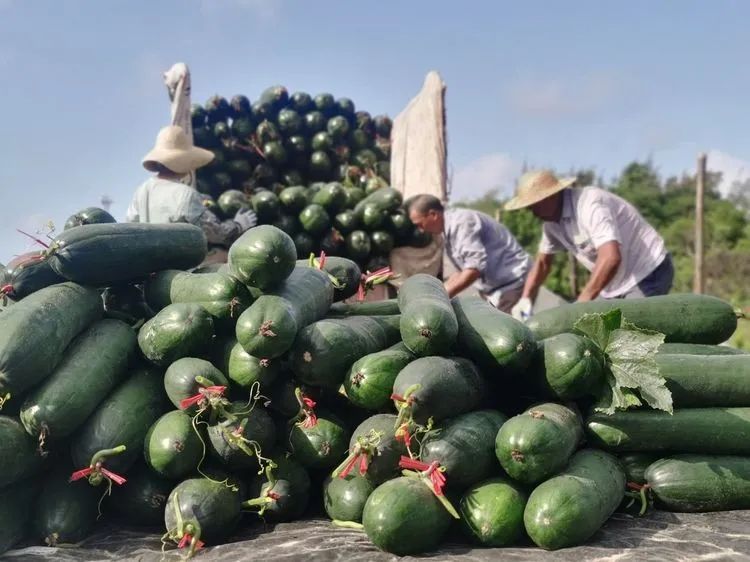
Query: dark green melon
345, 107
197, 116
289, 121
320, 165
382, 242
275, 153
301, 102
383, 125
275, 96
221, 130
366, 159
358, 245
325, 103
365, 123
239, 107
314, 219
217, 109
267, 132
304, 244
89, 215
345, 222
266, 205
287, 223
315, 122
322, 141
338, 127
232, 201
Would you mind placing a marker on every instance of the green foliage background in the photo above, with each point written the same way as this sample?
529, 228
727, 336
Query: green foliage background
669, 205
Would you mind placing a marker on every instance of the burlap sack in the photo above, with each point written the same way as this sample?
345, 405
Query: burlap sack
418, 165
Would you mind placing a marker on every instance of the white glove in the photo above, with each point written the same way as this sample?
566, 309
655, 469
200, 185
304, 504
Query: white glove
522, 309
246, 218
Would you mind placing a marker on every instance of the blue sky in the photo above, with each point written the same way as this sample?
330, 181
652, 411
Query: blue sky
559, 84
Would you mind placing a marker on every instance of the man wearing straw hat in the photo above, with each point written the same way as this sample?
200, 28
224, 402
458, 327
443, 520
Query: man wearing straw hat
163, 198
608, 236
485, 253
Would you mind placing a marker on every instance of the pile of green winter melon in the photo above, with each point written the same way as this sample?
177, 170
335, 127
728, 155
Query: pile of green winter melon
139, 390
309, 165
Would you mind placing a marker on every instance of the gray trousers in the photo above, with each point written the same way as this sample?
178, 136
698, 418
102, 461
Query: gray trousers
658, 282
508, 299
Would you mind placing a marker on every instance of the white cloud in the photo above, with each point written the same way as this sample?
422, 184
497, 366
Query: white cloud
570, 96
491, 171
732, 169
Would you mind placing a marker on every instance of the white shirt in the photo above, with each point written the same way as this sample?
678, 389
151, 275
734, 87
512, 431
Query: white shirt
474, 240
160, 201
592, 217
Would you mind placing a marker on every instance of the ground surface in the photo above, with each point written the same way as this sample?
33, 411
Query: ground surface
658, 537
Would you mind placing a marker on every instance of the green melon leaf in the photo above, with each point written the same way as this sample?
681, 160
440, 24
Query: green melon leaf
632, 374
598, 327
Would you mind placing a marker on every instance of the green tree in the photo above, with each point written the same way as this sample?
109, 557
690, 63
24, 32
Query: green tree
640, 184
670, 207
489, 203
739, 195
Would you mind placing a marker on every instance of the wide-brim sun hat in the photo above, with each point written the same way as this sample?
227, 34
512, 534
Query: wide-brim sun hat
536, 186
174, 150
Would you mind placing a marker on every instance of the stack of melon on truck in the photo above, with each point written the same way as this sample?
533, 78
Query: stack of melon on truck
313, 166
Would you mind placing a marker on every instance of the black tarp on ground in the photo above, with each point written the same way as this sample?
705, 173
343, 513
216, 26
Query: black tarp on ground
659, 536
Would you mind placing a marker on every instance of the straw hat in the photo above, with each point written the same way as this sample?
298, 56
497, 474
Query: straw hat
536, 186
174, 150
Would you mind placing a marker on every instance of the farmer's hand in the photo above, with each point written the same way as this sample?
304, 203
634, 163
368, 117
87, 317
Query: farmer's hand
522, 309
246, 218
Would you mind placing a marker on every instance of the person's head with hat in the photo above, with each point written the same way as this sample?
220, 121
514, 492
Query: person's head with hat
174, 156
541, 192
164, 198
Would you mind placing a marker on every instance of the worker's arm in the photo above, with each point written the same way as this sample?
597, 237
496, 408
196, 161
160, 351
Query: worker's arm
217, 231
608, 261
600, 223
460, 281
225, 232
537, 275
549, 245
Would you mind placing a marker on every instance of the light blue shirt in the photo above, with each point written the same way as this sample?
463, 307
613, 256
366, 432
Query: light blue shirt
474, 240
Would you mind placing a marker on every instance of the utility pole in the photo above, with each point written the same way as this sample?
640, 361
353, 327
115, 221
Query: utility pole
699, 278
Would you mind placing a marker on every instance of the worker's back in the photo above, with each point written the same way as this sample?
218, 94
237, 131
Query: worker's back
161, 201
476, 240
